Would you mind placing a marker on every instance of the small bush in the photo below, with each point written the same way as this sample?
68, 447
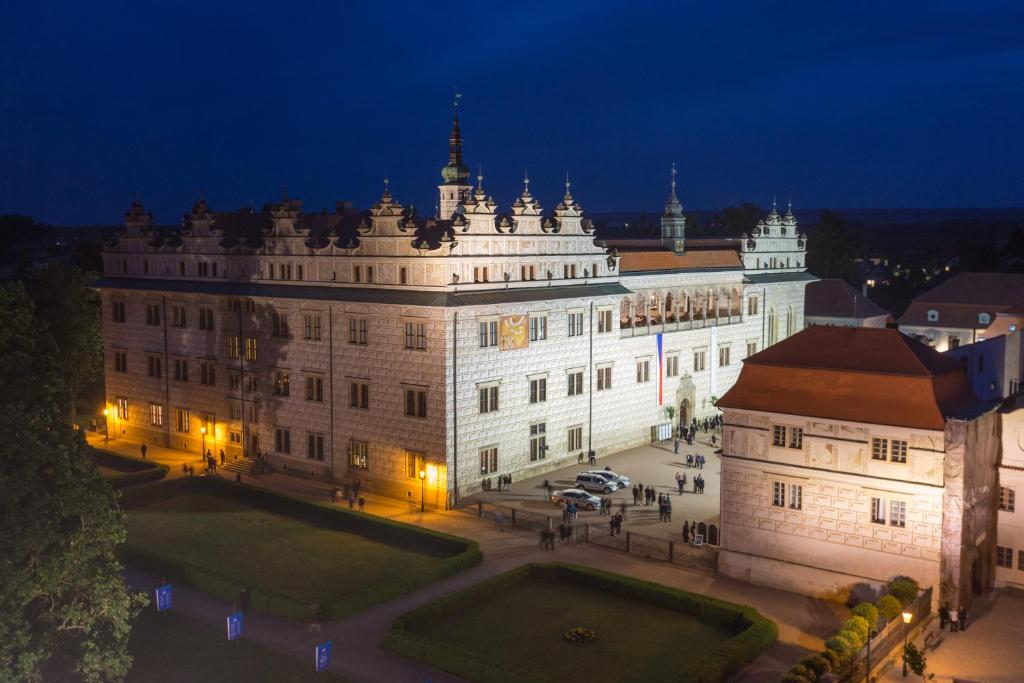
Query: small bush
888, 607
857, 641
834, 659
819, 664
868, 613
858, 624
803, 672
904, 589
841, 645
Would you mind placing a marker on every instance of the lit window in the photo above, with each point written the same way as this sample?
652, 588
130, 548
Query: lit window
282, 383
488, 460
778, 435
1007, 498
878, 510
156, 414
796, 437
359, 454
796, 496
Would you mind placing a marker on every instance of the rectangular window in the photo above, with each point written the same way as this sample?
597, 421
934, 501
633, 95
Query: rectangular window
315, 389
575, 382
207, 374
282, 383
180, 370
235, 437
154, 366
251, 384
751, 348
311, 327
604, 378
723, 356
752, 306
575, 438
234, 380
778, 494
181, 268
538, 328
121, 408
282, 440
569, 270
117, 310
152, 314
878, 510
357, 331
796, 496
898, 451
181, 419
359, 395
315, 446
178, 316
538, 390
489, 399
488, 333
575, 324
204, 269
604, 321
953, 342
672, 366
1004, 557
1007, 498
879, 449
234, 410
897, 513
278, 324
232, 342
206, 319
538, 442
254, 414
778, 435
796, 437
415, 402
413, 463
359, 454
643, 371
156, 414
357, 274
480, 274
488, 460
416, 336
699, 360
250, 348
120, 361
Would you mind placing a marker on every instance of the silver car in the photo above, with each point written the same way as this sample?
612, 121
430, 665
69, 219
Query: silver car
624, 481
595, 482
583, 500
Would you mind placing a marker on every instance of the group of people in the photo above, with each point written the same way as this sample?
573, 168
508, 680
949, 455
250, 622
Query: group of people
569, 510
504, 482
956, 618
664, 507
645, 493
695, 460
689, 530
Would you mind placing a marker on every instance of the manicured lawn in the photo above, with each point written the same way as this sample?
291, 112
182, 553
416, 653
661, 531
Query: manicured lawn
523, 627
259, 548
178, 650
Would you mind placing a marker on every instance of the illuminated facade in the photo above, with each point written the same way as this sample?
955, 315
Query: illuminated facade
378, 344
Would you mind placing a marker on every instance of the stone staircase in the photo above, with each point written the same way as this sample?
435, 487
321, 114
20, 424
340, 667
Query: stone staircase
240, 465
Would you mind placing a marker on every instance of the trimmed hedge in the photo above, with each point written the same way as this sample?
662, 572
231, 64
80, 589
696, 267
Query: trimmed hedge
458, 553
134, 471
754, 633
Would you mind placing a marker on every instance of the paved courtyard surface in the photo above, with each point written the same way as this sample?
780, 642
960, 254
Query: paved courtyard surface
803, 622
651, 465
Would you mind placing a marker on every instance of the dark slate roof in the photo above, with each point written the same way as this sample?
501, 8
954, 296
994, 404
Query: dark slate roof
362, 295
834, 298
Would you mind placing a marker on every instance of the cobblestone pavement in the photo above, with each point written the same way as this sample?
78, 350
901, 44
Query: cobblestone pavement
803, 622
651, 465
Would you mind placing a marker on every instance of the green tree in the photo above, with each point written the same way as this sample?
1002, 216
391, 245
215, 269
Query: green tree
915, 659
70, 311
733, 221
831, 248
61, 590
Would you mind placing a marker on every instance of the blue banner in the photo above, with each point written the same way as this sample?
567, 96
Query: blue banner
323, 656
235, 626
163, 598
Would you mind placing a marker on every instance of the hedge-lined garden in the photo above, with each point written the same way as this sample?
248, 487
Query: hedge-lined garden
522, 627
129, 471
295, 558
841, 648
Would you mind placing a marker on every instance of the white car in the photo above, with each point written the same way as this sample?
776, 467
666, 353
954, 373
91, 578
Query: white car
596, 482
624, 481
583, 500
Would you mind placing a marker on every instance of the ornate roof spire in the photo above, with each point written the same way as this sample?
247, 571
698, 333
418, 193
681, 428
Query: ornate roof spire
568, 195
455, 173
387, 189
673, 207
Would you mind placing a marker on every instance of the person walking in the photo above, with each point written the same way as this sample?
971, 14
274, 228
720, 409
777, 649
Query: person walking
954, 621
142, 449
943, 616
686, 531
362, 504
962, 616
675, 446
222, 457
636, 494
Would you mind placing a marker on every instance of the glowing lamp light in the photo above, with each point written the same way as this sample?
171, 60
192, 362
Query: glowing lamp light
423, 475
202, 430
106, 411
908, 617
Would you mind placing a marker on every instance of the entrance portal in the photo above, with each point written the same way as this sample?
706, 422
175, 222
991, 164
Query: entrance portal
684, 413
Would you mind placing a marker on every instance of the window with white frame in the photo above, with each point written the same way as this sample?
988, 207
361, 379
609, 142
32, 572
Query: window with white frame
488, 398
488, 460
574, 382
181, 419
878, 510
359, 394
1004, 557
604, 378
752, 305
778, 435
1007, 498
751, 348
796, 437
575, 438
575, 323
359, 454
723, 356
796, 496
538, 389
894, 450
643, 370
538, 441
416, 336
538, 327
779, 494
250, 348
604, 320
699, 360
156, 414
488, 333
898, 513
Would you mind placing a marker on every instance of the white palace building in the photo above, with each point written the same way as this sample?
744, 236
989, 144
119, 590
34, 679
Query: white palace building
380, 344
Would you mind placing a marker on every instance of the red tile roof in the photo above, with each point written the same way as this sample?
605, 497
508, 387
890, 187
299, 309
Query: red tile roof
644, 261
836, 299
876, 376
962, 297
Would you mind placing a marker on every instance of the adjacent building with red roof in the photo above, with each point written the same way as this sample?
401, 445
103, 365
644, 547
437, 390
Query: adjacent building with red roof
834, 302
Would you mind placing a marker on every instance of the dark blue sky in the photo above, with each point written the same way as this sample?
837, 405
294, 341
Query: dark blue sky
859, 104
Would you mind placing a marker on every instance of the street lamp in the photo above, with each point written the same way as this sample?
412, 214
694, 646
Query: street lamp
908, 617
867, 673
202, 430
106, 426
423, 488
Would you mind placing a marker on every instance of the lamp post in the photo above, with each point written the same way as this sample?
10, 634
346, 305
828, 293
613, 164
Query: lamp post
867, 673
202, 430
908, 616
423, 488
106, 426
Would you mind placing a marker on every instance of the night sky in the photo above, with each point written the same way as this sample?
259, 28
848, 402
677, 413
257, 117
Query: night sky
856, 104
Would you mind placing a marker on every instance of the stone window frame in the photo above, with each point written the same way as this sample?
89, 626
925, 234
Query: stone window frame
672, 363
488, 459
605, 319
491, 402
1007, 499
491, 321
572, 329
643, 369
570, 383
538, 332
538, 393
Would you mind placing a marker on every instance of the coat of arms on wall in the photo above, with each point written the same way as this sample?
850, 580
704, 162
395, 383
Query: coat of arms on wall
513, 332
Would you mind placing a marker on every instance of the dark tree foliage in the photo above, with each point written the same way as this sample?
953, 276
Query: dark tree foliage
832, 248
732, 221
61, 590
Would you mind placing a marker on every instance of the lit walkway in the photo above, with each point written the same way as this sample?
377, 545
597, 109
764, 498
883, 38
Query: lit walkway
803, 622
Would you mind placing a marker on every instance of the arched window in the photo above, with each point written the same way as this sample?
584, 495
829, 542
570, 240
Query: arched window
933, 315
670, 313
641, 310
655, 306
790, 322
626, 313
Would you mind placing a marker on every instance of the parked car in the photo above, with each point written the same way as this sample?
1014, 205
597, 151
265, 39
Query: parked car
623, 480
595, 482
582, 499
